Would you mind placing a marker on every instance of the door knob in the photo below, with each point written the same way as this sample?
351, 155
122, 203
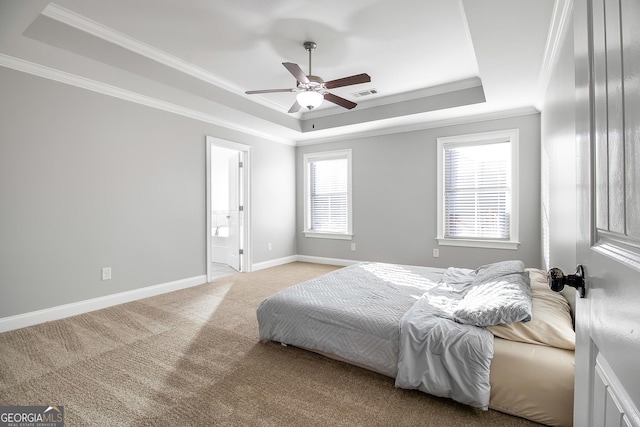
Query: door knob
557, 280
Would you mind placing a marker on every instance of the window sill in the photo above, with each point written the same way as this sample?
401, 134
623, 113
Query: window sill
490, 244
337, 236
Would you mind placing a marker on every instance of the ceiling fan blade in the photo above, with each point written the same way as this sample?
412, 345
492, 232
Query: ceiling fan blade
296, 71
347, 81
251, 92
294, 108
340, 101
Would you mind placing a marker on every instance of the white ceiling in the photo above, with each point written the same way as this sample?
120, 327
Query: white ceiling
431, 61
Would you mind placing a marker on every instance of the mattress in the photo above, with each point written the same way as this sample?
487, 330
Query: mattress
532, 381
353, 314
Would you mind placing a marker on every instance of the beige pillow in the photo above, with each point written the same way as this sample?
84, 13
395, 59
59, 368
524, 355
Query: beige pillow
550, 322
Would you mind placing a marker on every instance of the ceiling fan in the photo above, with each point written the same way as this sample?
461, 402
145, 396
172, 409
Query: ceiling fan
311, 90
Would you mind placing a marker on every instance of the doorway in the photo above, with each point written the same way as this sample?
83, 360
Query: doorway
227, 207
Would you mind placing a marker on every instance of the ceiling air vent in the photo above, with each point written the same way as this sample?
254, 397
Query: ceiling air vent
365, 93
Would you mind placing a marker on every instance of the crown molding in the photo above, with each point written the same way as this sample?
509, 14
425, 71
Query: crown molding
560, 20
110, 35
385, 100
89, 26
433, 124
124, 94
127, 95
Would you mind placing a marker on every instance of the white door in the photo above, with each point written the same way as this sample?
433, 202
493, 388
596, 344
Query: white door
235, 202
607, 52
242, 194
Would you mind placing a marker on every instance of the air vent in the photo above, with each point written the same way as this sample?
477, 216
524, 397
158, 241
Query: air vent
365, 93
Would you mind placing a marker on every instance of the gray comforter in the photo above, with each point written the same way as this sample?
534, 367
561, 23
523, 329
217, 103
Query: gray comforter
417, 324
441, 356
353, 312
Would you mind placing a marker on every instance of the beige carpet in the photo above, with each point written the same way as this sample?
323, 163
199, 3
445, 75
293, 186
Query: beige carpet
192, 358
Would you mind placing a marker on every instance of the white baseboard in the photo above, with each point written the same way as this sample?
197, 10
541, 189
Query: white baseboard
59, 312
80, 307
302, 258
323, 260
274, 262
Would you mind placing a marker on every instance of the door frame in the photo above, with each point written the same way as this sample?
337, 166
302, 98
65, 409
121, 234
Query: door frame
245, 191
585, 350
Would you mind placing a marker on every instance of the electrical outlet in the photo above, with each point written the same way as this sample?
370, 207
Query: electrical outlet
353, 246
436, 253
106, 273
269, 247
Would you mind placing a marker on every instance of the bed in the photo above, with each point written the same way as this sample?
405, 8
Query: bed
442, 331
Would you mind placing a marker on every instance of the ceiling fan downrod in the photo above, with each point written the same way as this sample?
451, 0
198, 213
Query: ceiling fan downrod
310, 46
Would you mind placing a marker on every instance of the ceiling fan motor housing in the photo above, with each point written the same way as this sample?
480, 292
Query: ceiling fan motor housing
315, 82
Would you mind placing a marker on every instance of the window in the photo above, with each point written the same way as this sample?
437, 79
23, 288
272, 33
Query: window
327, 186
477, 190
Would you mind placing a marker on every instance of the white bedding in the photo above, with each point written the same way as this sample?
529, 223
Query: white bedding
404, 321
353, 313
443, 357
444, 350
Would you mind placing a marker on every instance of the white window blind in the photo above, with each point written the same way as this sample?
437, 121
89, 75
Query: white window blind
328, 180
477, 192
328, 197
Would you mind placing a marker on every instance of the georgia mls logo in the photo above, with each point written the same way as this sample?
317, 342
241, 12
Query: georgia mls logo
31, 416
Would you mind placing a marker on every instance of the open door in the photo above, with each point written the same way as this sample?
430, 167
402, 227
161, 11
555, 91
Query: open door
236, 250
234, 247
607, 58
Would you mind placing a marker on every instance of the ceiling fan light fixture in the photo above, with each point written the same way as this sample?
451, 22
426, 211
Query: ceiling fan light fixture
309, 98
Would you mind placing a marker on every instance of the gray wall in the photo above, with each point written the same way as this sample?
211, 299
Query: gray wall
89, 181
394, 199
559, 161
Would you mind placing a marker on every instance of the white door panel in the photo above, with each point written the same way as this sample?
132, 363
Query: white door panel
607, 52
233, 248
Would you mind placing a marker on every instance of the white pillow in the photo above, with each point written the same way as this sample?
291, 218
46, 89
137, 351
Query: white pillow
550, 323
496, 300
